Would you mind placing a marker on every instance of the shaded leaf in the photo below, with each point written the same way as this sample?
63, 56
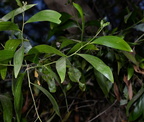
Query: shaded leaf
18, 59
17, 93
8, 26
7, 108
46, 15
17, 11
138, 109
74, 74
131, 57
103, 82
79, 9
130, 71
134, 99
6, 55
45, 49
61, 68
113, 42
99, 65
51, 98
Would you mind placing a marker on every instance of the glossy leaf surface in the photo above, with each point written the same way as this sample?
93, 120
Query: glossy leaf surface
46, 15
99, 65
113, 42
8, 26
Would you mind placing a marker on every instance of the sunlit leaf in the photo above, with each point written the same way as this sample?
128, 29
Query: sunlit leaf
51, 98
61, 68
17, 11
46, 15
18, 59
8, 26
99, 65
45, 49
113, 42
7, 108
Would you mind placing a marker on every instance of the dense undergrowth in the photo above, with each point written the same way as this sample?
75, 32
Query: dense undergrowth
77, 77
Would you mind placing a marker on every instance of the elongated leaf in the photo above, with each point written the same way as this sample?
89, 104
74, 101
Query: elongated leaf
79, 9
7, 108
99, 65
12, 44
134, 99
17, 11
3, 69
17, 93
45, 49
75, 47
8, 26
138, 109
103, 82
46, 15
113, 42
51, 98
18, 59
61, 68
6, 55
19, 3
131, 57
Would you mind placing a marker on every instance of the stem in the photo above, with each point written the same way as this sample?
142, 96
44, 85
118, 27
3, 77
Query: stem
29, 83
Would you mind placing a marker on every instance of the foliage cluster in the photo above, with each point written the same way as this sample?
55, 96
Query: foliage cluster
103, 61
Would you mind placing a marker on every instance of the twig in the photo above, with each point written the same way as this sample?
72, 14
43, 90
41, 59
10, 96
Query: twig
102, 112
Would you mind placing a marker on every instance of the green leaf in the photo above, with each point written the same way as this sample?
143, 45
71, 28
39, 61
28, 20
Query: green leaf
134, 99
51, 98
46, 15
7, 108
99, 65
19, 3
74, 74
6, 55
49, 76
75, 47
131, 57
17, 93
65, 42
12, 44
3, 69
126, 17
8, 26
45, 49
17, 11
130, 71
113, 42
138, 109
18, 59
61, 68
103, 82
79, 9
